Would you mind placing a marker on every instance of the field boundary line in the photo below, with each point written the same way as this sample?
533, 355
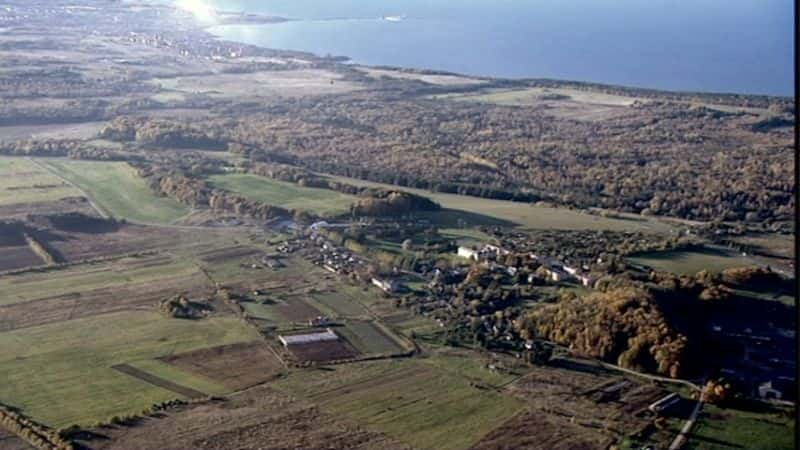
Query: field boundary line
103, 213
157, 381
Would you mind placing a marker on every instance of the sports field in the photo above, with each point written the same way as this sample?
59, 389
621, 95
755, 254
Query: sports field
117, 189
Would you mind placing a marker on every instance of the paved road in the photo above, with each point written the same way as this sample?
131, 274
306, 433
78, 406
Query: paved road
681, 438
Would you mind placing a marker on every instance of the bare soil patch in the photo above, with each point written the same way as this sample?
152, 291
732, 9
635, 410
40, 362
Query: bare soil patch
158, 381
258, 418
322, 351
237, 366
18, 257
296, 309
64, 205
225, 254
92, 242
73, 305
574, 409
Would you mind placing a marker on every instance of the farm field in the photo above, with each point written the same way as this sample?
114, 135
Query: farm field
116, 188
61, 373
339, 301
259, 417
321, 352
24, 182
324, 202
236, 366
437, 79
693, 261
565, 103
465, 211
284, 83
174, 374
82, 130
418, 404
726, 429
368, 338
29, 286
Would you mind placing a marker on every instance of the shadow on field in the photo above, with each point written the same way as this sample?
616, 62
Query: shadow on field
456, 218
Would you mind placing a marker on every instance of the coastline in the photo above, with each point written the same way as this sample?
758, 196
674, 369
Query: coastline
248, 19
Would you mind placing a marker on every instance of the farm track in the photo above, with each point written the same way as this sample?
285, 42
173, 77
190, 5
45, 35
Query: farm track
102, 212
158, 381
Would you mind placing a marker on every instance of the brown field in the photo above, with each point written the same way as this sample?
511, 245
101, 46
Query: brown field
237, 366
564, 103
567, 409
322, 351
18, 257
441, 80
158, 381
40, 297
295, 309
257, 418
64, 205
77, 246
85, 130
283, 83
225, 254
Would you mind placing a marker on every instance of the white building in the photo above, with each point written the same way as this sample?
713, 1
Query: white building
385, 285
469, 253
309, 338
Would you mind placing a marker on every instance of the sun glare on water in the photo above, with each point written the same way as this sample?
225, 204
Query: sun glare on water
198, 8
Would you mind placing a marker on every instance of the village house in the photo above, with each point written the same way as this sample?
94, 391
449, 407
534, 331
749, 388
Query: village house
585, 280
385, 285
467, 252
556, 274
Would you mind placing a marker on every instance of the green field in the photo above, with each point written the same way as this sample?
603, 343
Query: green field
692, 261
175, 375
22, 181
727, 429
323, 202
118, 190
61, 373
416, 403
340, 302
461, 211
367, 338
86, 277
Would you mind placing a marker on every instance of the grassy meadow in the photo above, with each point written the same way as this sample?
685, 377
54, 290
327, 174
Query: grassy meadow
118, 190
416, 403
324, 202
22, 181
693, 261
461, 211
86, 277
61, 374
727, 429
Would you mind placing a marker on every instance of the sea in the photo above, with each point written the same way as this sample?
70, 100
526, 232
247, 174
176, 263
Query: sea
729, 46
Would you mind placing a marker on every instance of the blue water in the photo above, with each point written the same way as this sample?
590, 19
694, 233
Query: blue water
741, 46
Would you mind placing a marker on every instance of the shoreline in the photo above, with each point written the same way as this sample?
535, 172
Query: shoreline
254, 19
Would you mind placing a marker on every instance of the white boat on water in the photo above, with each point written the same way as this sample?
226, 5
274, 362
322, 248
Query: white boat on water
394, 18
